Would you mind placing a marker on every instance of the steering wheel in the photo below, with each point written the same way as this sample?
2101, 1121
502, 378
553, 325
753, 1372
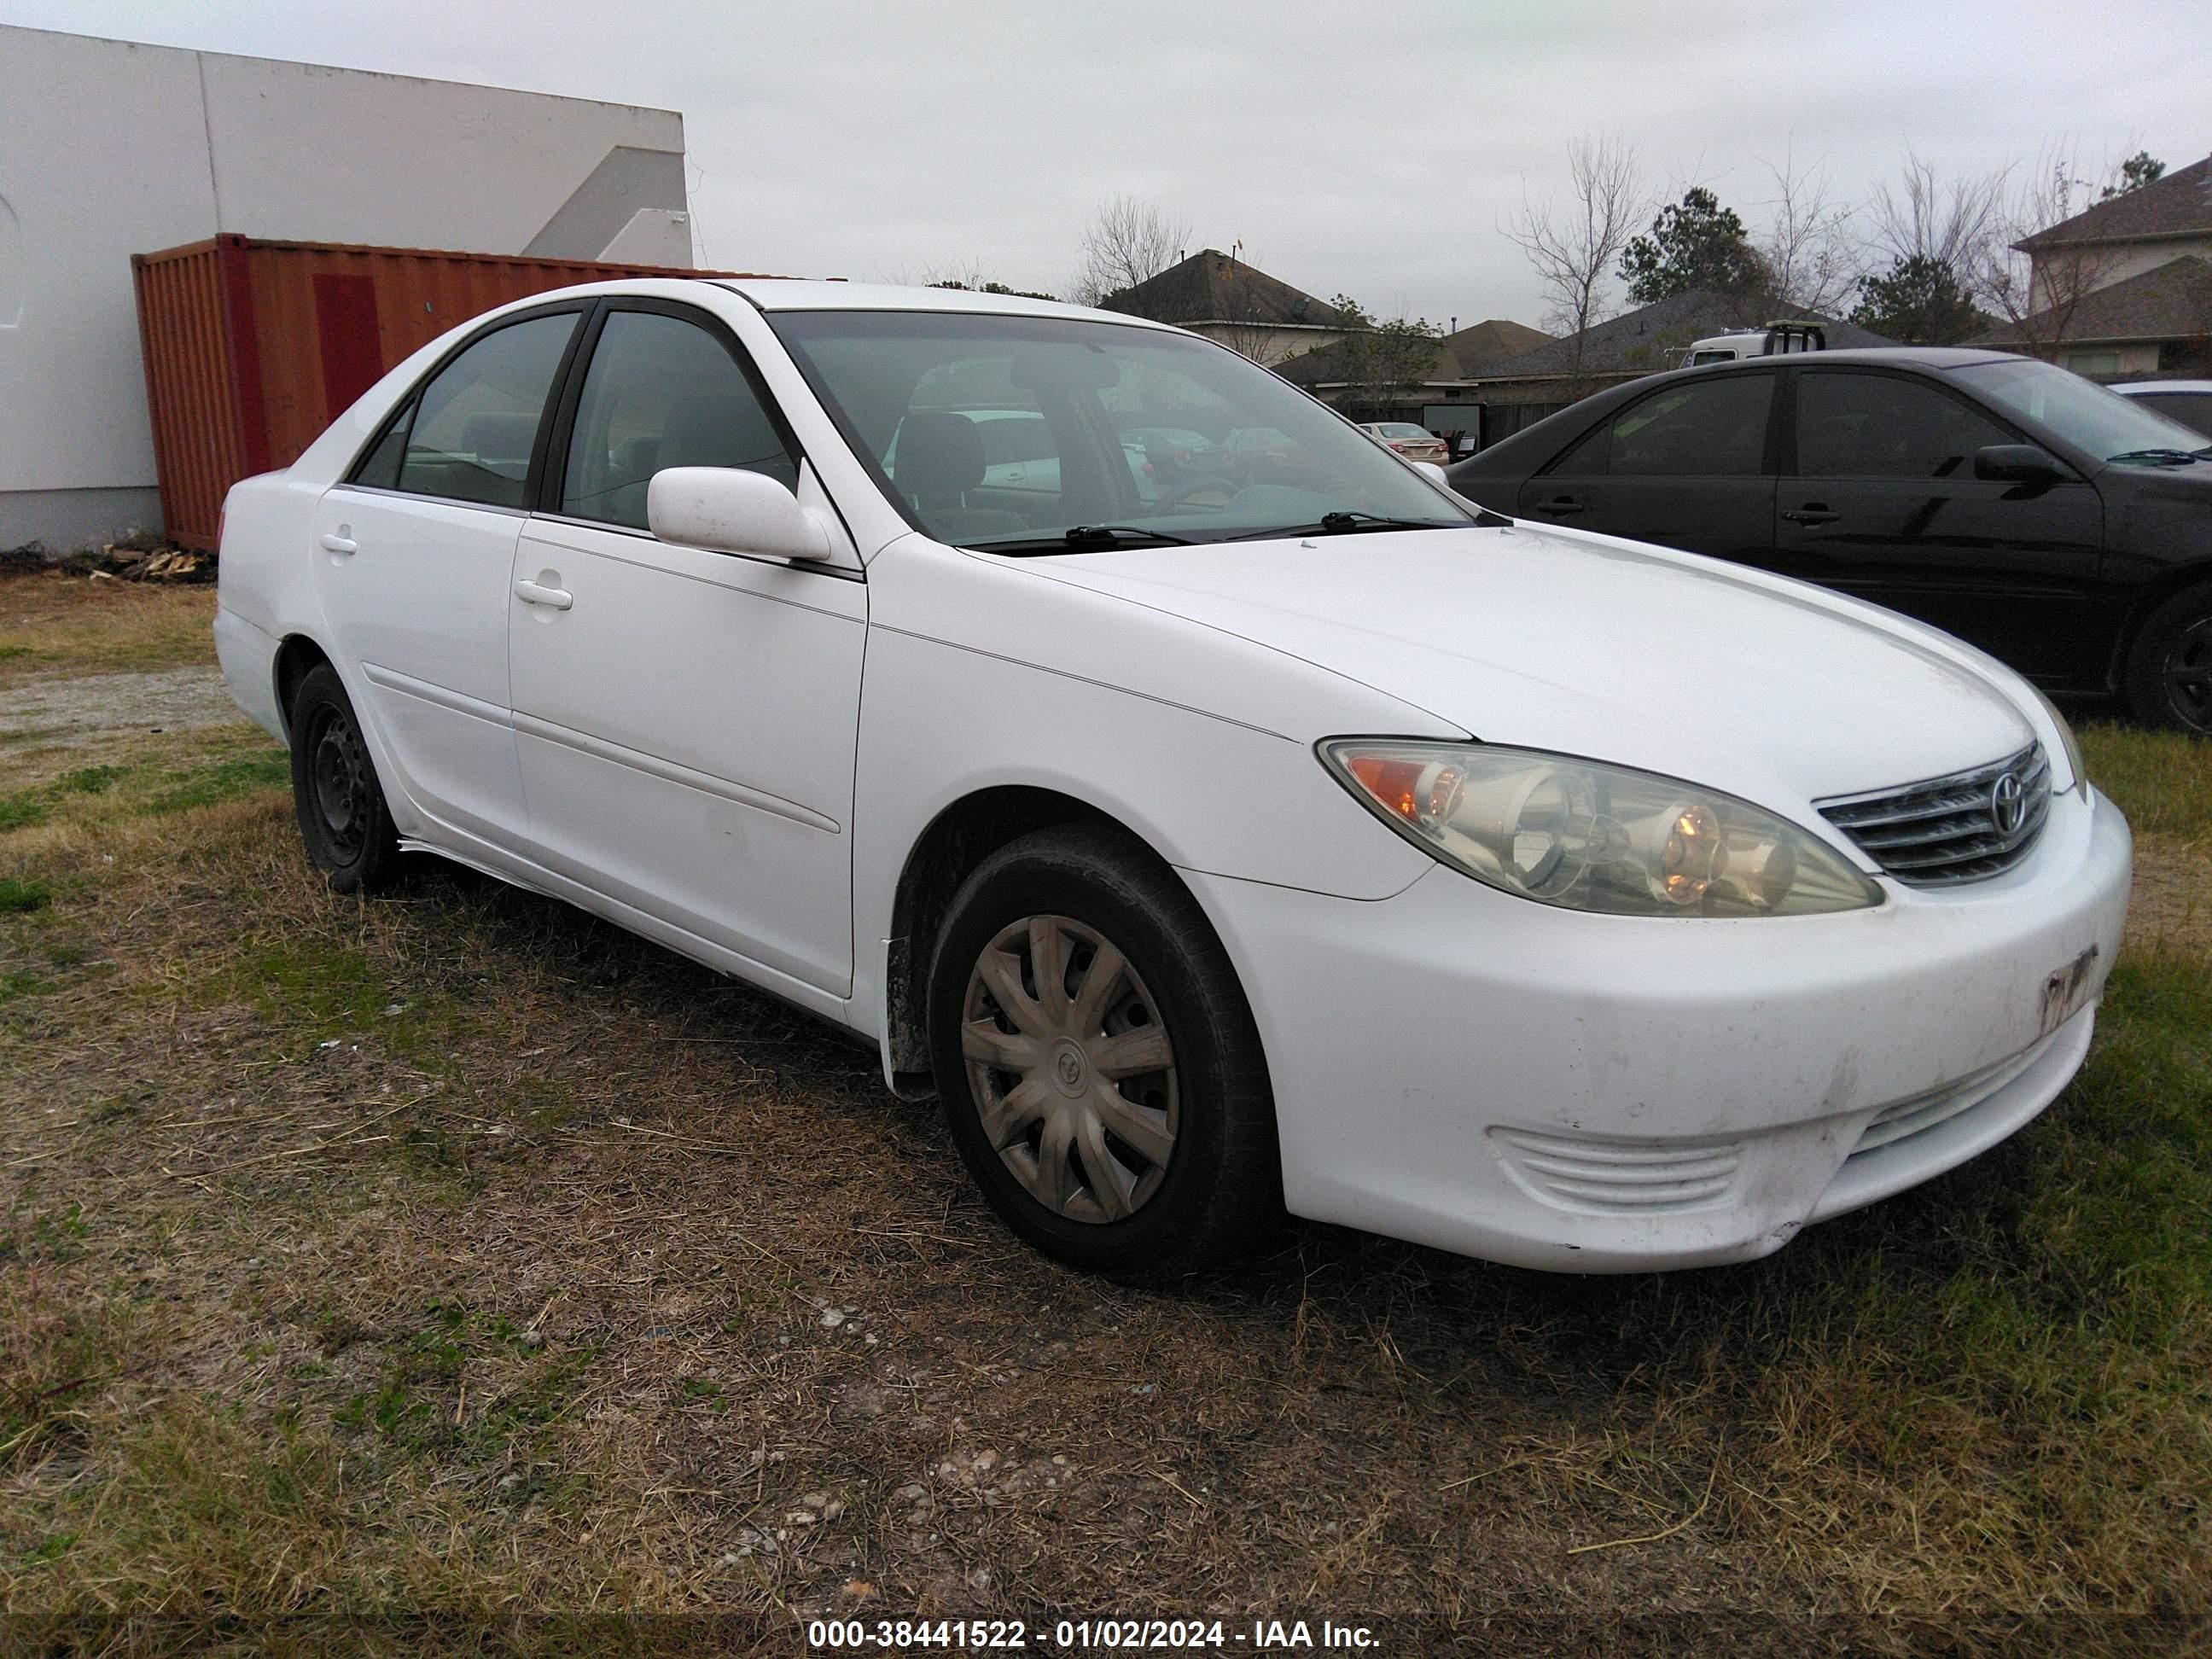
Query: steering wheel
1190, 487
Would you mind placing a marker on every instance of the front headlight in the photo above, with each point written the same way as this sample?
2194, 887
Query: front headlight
2068, 744
1587, 837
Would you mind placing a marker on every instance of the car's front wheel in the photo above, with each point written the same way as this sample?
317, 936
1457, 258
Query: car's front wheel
1098, 1064
343, 819
2170, 669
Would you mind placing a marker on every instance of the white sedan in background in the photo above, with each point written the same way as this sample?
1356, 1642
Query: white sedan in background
1313, 841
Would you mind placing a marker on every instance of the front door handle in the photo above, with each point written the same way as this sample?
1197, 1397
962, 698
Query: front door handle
340, 542
1560, 507
532, 593
1812, 513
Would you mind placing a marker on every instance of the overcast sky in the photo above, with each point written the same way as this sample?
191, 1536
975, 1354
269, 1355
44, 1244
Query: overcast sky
1371, 149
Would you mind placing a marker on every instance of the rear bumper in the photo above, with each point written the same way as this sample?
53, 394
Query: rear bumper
248, 657
1490, 1076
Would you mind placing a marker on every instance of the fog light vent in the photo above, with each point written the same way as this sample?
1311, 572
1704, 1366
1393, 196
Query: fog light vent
1620, 1177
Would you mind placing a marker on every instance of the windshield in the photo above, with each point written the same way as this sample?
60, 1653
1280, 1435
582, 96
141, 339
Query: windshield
1013, 432
2080, 411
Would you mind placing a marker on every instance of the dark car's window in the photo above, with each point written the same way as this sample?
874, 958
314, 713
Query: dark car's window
1706, 430
476, 423
1882, 426
2192, 409
662, 392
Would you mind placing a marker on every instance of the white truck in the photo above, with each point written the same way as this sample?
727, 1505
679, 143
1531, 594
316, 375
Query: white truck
1781, 336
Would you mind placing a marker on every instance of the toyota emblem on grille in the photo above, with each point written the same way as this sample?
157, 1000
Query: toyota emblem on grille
2008, 804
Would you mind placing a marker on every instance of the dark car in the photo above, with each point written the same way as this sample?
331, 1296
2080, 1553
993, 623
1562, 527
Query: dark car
2057, 526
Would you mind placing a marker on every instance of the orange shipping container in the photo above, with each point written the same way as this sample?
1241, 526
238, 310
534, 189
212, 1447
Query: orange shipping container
252, 348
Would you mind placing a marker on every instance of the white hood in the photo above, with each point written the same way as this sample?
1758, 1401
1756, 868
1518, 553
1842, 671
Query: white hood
1608, 649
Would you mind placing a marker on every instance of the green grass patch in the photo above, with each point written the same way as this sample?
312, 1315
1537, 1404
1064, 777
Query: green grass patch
225, 779
2161, 779
90, 779
22, 809
19, 896
18, 982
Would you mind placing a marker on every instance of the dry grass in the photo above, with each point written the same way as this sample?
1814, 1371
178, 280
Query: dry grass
458, 1254
53, 624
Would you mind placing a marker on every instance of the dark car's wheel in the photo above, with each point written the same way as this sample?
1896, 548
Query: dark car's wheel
2170, 669
343, 816
1098, 1064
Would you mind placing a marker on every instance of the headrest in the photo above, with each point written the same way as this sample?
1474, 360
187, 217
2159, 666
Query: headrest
940, 453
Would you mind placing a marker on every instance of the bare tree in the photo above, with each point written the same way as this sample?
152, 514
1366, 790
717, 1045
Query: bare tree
1574, 247
1813, 260
2039, 294
1951, 219
1127, 242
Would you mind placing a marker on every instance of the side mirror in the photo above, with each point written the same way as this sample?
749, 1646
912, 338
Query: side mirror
727, 510
1432, 472
2028, 464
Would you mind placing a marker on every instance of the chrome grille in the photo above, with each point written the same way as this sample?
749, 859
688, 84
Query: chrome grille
1946, 830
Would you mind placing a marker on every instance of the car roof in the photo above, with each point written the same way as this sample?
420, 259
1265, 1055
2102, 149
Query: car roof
786, 293
1916, 356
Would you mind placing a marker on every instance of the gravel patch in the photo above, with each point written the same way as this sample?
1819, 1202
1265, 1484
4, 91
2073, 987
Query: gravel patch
77, 710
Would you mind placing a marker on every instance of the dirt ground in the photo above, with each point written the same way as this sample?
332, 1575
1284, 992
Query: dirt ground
457, 1254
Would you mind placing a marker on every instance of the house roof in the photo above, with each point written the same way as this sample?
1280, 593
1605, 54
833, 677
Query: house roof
2178, 204
1638, 341
1210, 286
2172, 301
1470, 350
1461, 356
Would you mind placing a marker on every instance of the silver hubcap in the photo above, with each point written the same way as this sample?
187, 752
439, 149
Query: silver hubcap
1070, 1068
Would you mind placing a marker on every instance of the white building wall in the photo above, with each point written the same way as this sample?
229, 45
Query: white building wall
2112, 262
109, 149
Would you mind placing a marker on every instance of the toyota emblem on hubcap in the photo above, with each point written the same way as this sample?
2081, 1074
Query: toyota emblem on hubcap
2008, 804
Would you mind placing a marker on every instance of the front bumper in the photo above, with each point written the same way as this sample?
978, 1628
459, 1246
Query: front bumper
1600, 1094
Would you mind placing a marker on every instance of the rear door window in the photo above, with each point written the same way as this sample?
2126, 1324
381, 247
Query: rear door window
475, 425
1708, 428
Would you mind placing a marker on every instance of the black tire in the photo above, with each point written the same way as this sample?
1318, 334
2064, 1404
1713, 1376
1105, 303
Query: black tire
343, 818
1217, 1192
2169, 679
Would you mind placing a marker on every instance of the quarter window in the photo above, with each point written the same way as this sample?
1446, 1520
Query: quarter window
475, 424
663, 392
1882, 426
1706, 430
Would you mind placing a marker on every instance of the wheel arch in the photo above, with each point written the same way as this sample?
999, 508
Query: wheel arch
295, 656
962, 836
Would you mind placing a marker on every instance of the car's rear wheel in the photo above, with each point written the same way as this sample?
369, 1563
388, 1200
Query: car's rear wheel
1097, 1061
2170, 669
343, 819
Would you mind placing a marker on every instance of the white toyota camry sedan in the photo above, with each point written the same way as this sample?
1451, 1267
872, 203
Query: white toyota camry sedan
1211, 846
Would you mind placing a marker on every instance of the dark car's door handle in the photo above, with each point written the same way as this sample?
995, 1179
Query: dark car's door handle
1559, 506
1812, 513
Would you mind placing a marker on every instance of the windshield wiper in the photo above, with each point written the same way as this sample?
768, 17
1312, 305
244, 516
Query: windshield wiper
1092, 535
2158, 457
1085, 536
1346, 522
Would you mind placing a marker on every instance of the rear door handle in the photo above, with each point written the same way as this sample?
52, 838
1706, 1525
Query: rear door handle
532, 593
339, 544
1812, 513
1560, 507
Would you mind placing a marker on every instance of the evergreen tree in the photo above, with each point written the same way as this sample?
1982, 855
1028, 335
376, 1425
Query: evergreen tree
1694, 243
1919, 302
